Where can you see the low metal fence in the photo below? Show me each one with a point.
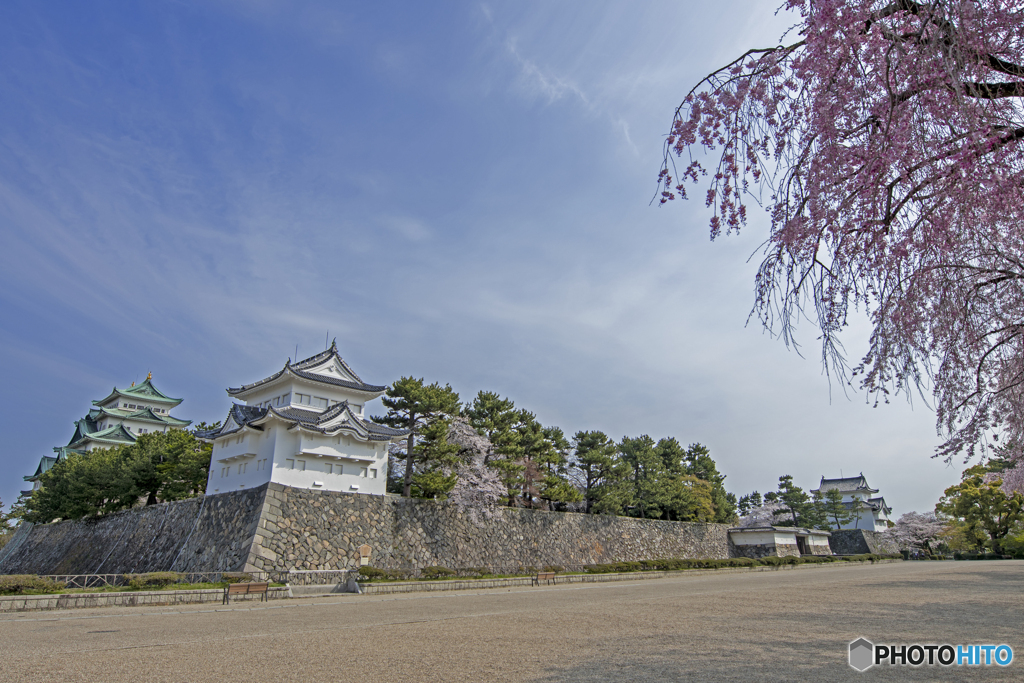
(114, 580)
(299, 577)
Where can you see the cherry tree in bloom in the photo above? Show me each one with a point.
(917, 530)
(766, 515)
(479, 489)
(884, 140)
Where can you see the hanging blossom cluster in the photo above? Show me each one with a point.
(886, 142)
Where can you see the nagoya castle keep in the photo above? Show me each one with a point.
(302, 427)
(117, 420)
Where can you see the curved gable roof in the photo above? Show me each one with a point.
(302, 369)
(339, 418)
(144, 391)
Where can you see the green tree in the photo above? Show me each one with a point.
(437, 476)
(555, 488)
(686, 498)
(833, 510)
(797, 503)
(698, 463)
(748, 502)
(535, 450)
(648, 478)
(498, 420)
(8, 524)
(83, 485)
(595, 460)
(160, 466)
(413, 405)
(979, 501)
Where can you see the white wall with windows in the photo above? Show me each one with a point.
(291, 457)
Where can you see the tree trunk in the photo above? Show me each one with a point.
(407, 491)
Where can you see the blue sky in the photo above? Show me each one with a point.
(457, 191)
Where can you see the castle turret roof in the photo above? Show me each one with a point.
(845, 484)
(144, 391)
(336, 420)
(302, 370)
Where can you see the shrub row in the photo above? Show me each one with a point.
(686, 563)
(983, 556)
(28, 584)
(152, 579)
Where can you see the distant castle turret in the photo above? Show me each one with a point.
(869, 512)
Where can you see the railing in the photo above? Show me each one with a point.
(296, 577)
(101, 580)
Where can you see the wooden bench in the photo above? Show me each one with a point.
(548, 577)
(245, 589)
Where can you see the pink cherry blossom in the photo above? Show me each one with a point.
(884, 140)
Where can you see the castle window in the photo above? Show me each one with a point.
(373, 474)
(362, 471)
(290, 463)
(300, 465)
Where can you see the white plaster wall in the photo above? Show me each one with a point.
(291, 387)
(753, 538)
(817, 540)
(255, 448)
(786, 537)
(310, 456)
(315, 476)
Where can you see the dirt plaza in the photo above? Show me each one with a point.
(763, 626)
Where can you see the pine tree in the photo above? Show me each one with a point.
(413, 405)
(833, 509)
(498, 420)
(796, 501)
(595, 460)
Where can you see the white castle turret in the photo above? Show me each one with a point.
(869, 511)
(302, 427)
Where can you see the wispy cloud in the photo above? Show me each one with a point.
(543, 82)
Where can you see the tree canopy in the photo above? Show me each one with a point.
(158, 467)
(885, 140)
(413, 405)
(979, 501)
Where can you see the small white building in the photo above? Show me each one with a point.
(779, 541)
(869, 510)
(302, 427)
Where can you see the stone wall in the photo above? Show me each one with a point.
(198, 534)
(305, 529)
(787, 550)
(274, 527)
(862, 541)
(755, 551)
(221, 538)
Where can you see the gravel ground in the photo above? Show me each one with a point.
(767, 626)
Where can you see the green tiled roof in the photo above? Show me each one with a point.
(144, 391)
(144, 415)
(114, 436)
